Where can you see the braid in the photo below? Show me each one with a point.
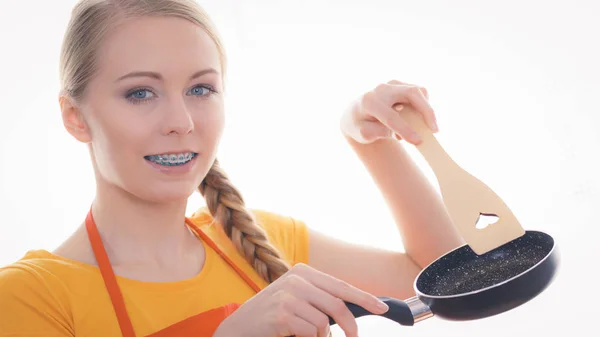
(226, 205)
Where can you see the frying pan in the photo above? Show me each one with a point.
(462, 285)
(500, 267)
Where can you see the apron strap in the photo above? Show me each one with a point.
(109, 277)
(219, 251)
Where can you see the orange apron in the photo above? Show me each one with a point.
(200, 325)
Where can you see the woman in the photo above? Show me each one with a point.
(142, 86)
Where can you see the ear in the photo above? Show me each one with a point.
(73, 119)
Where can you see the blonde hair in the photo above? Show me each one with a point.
(90, 22)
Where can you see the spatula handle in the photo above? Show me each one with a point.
(433, 152)
(466, 198)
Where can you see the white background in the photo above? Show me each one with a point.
(514, 83)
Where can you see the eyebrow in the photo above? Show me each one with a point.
(159, 77)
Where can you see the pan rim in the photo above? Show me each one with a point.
(421, 294)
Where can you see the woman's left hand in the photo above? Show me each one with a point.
(375, 116)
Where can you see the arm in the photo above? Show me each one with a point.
(419, 214)
(417, 208)
(376, 271)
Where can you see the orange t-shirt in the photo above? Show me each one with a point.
(43, 294)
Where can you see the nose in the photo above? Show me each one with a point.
(178, 119)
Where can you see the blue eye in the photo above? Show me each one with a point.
(201, 90)
(140, 94)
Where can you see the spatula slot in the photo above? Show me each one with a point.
(486, 219)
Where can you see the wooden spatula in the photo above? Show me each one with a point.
(467, 199)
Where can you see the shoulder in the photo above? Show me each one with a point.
(39, 271)
(30, 268)
(33, 296)
(288, 234)
(274, 223)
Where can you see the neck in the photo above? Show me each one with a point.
(136, 231)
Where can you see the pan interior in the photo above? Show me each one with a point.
(462, 270)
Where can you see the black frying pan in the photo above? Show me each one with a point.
(462, 285)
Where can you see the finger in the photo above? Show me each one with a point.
(393, 94)
(426, 109)
(423, 89)
(321, 300)
(391, 119)
(296, 326)
(313, 316)
(341, 289)
(414, 96)
(331, 305)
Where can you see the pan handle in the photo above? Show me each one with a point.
(399, 311)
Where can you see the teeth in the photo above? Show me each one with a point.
(172, 159)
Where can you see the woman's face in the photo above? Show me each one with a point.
(154, 110)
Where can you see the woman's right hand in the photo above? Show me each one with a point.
(298, 304)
